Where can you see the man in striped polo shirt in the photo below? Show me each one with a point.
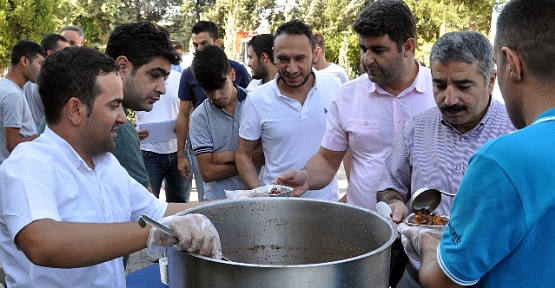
(433, 148)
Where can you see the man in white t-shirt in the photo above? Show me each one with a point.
(321, 63)
(289, 114)
(16, 120)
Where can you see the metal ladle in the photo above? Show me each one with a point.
(144, 219)
(427, 198)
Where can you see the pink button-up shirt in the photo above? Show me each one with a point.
(365, 119)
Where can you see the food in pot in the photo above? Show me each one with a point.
(425, 217)
(275, 191)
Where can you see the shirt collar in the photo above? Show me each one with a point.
(420, 83)
(67, 149)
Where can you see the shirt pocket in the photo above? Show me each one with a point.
(365, 136)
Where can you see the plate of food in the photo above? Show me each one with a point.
(425, 218)
(274, 190)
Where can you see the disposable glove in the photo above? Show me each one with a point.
(410, 237)
(195, 234)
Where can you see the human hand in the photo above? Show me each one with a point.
(399, 211)
(195, 234)
(295, 179)
(411, 237)
(142, 134)
(184, 167)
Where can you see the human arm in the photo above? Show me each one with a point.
(213, 172)
(182, 129)
(347, 163)
(317, 173)
(430, 273)
(58, 244)
(244, 163)
(13, 138)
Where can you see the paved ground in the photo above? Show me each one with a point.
(139, 259)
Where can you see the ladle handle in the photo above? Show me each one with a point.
(146, 219)
(446, 194)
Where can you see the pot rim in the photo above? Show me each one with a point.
(216, 204)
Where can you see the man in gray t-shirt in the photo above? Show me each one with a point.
(215, 123)
(16, 121)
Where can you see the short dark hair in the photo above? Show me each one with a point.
(177, 45)
(319, 40)
(296, 27)
(386, 17)
(210, 67)
(467, 47)
(71, 72)
(140, 43)
(528, 27)
(262, 43)
(206, 26)
(73, 28)
(26, 48)
(50, 41)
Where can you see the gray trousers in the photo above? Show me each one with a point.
(407, 281)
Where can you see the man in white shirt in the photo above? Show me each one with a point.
(69, 209)
(289, 114)
(321, 63)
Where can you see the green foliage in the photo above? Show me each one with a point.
(24, 19)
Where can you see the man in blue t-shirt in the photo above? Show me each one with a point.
(203, 33)
(500, 233)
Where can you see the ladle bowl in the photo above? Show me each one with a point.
(427, 198)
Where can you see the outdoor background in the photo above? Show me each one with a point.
(238, 20)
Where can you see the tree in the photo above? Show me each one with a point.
(24, 19)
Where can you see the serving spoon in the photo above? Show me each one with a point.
(145, 219)
(427, 198)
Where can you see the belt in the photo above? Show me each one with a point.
(413, 273)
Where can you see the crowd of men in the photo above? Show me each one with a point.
(70, 198)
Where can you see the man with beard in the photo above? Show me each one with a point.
(69, 209)
(433, 148)
(261, 60)
(501, 229)
(369, 111)
(289, 114)
(144, 54)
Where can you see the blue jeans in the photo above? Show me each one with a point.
(195, 172)
(164, 166)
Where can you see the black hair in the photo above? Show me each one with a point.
(387, 17)
(50, 41)
(140, 43)
(528, 27)
(26, 48)
(296, 27)
(210, 67)
(71, 72)
(262, 43)
(206, 26)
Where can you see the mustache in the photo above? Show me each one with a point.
(453, 108)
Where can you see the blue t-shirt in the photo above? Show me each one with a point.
(501, 232)
(190, 91)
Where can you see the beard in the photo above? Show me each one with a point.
(260, 73)
(305, 79)
(388, 73)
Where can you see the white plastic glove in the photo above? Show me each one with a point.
(195, 234)
(410, 237)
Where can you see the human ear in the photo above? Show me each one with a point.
(514, 63)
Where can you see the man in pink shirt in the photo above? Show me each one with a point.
(370, 110)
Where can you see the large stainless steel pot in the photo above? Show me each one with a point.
(289, 242)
